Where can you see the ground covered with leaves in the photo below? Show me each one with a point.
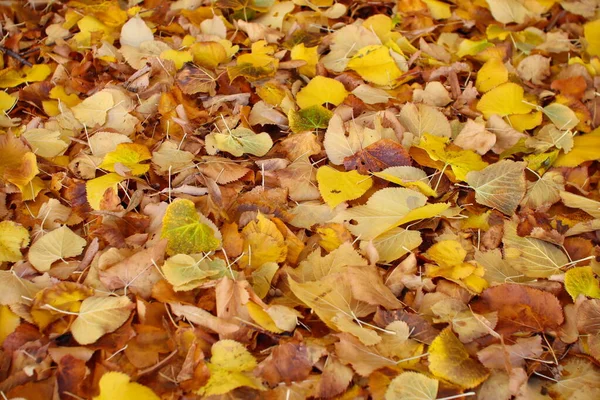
(260, 199)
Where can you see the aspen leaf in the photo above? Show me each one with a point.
(561, 116)
(128, 155)
(449, 360)
(584, 149)
(187, 231)
(14, 289)
(532, 257)
(375, 64)
(230, 367)
(98, 316)
(134, 32)
(498, 270)
(491, 74)
(339, 146)
(321, 90)
(581, 280)
(501, 185)
(239, 141)
(13, 237)
(263, 243)
(590, 206)
(92, 111)
(204, 318)
(409, 177)
(8, 322)
(337, 187)
(591, 32)
(394, 243)
(412, 386)
(168, 158)
(506, 99)
(549, 136)
(316, 266)
(116, 385)
(59, 244)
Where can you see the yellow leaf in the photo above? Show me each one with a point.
(383, 211)
(208, 54)
(425, 212)
(7, 101)
(501, 185)
(8, 322)
(263, 243)
(230, 367)
(128, 155)
(189, 272)
(239, 141)
(375, 64)
(449, 360)
(409, 177)
(261, 278)
(447, 253)
(337, 187)
(58, 93)
(99, 316)
(491, 74)
(472, 48)
(45, 143)
(523, 122)
(179, 57)
(308, 54)
(581, 280)
(590, 206)
(506, 99)
(35, 73)
(12, 238)
(88, 25)
(460, 161)
(591, 31)
(507, 11)
(412, 386)
(261, 317)
(95, 188)
(394, 243)
(187, 231)
(316, 267)
(59, 244)
(585, 148)
(561, 116)
(321, 90)
(117, 386)
(54, 302)
(92, 111)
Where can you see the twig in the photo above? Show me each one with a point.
(15, 55)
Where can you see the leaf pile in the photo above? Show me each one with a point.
(265, 199)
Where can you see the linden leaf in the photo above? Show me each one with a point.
(230, 367)
(117, 385)
(501, 185)
(59, 244)
(321, 90)
(309, 118)
(45, 143)
(316, 266)
(129, 156)
(506, 99)
(449, 360)
(187, 231)
(99, 316)
(581, 280)
(239, 141)
(96, 188)
(491, 74)
(186, 272)
(590, 206)
(421, 119)
(92, 111)
(375, 64)
(337, 187)
(13, 237)
(263, 243)
(532, 257)
(412, 386)
(394, 243)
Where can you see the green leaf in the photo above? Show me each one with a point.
(309, 119)
(186, 231)
(238, 142)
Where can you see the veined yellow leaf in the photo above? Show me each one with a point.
(581, 280)
(59, 244)
(116, 385)
(375, 64)
(12, 238)
(321, 90)
(506, 99)
(337, 187)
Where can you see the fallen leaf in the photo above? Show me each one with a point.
(57, 245)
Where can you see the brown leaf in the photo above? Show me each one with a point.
(378, 156)
(521, 308)
(70, 376)
(288, 362)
